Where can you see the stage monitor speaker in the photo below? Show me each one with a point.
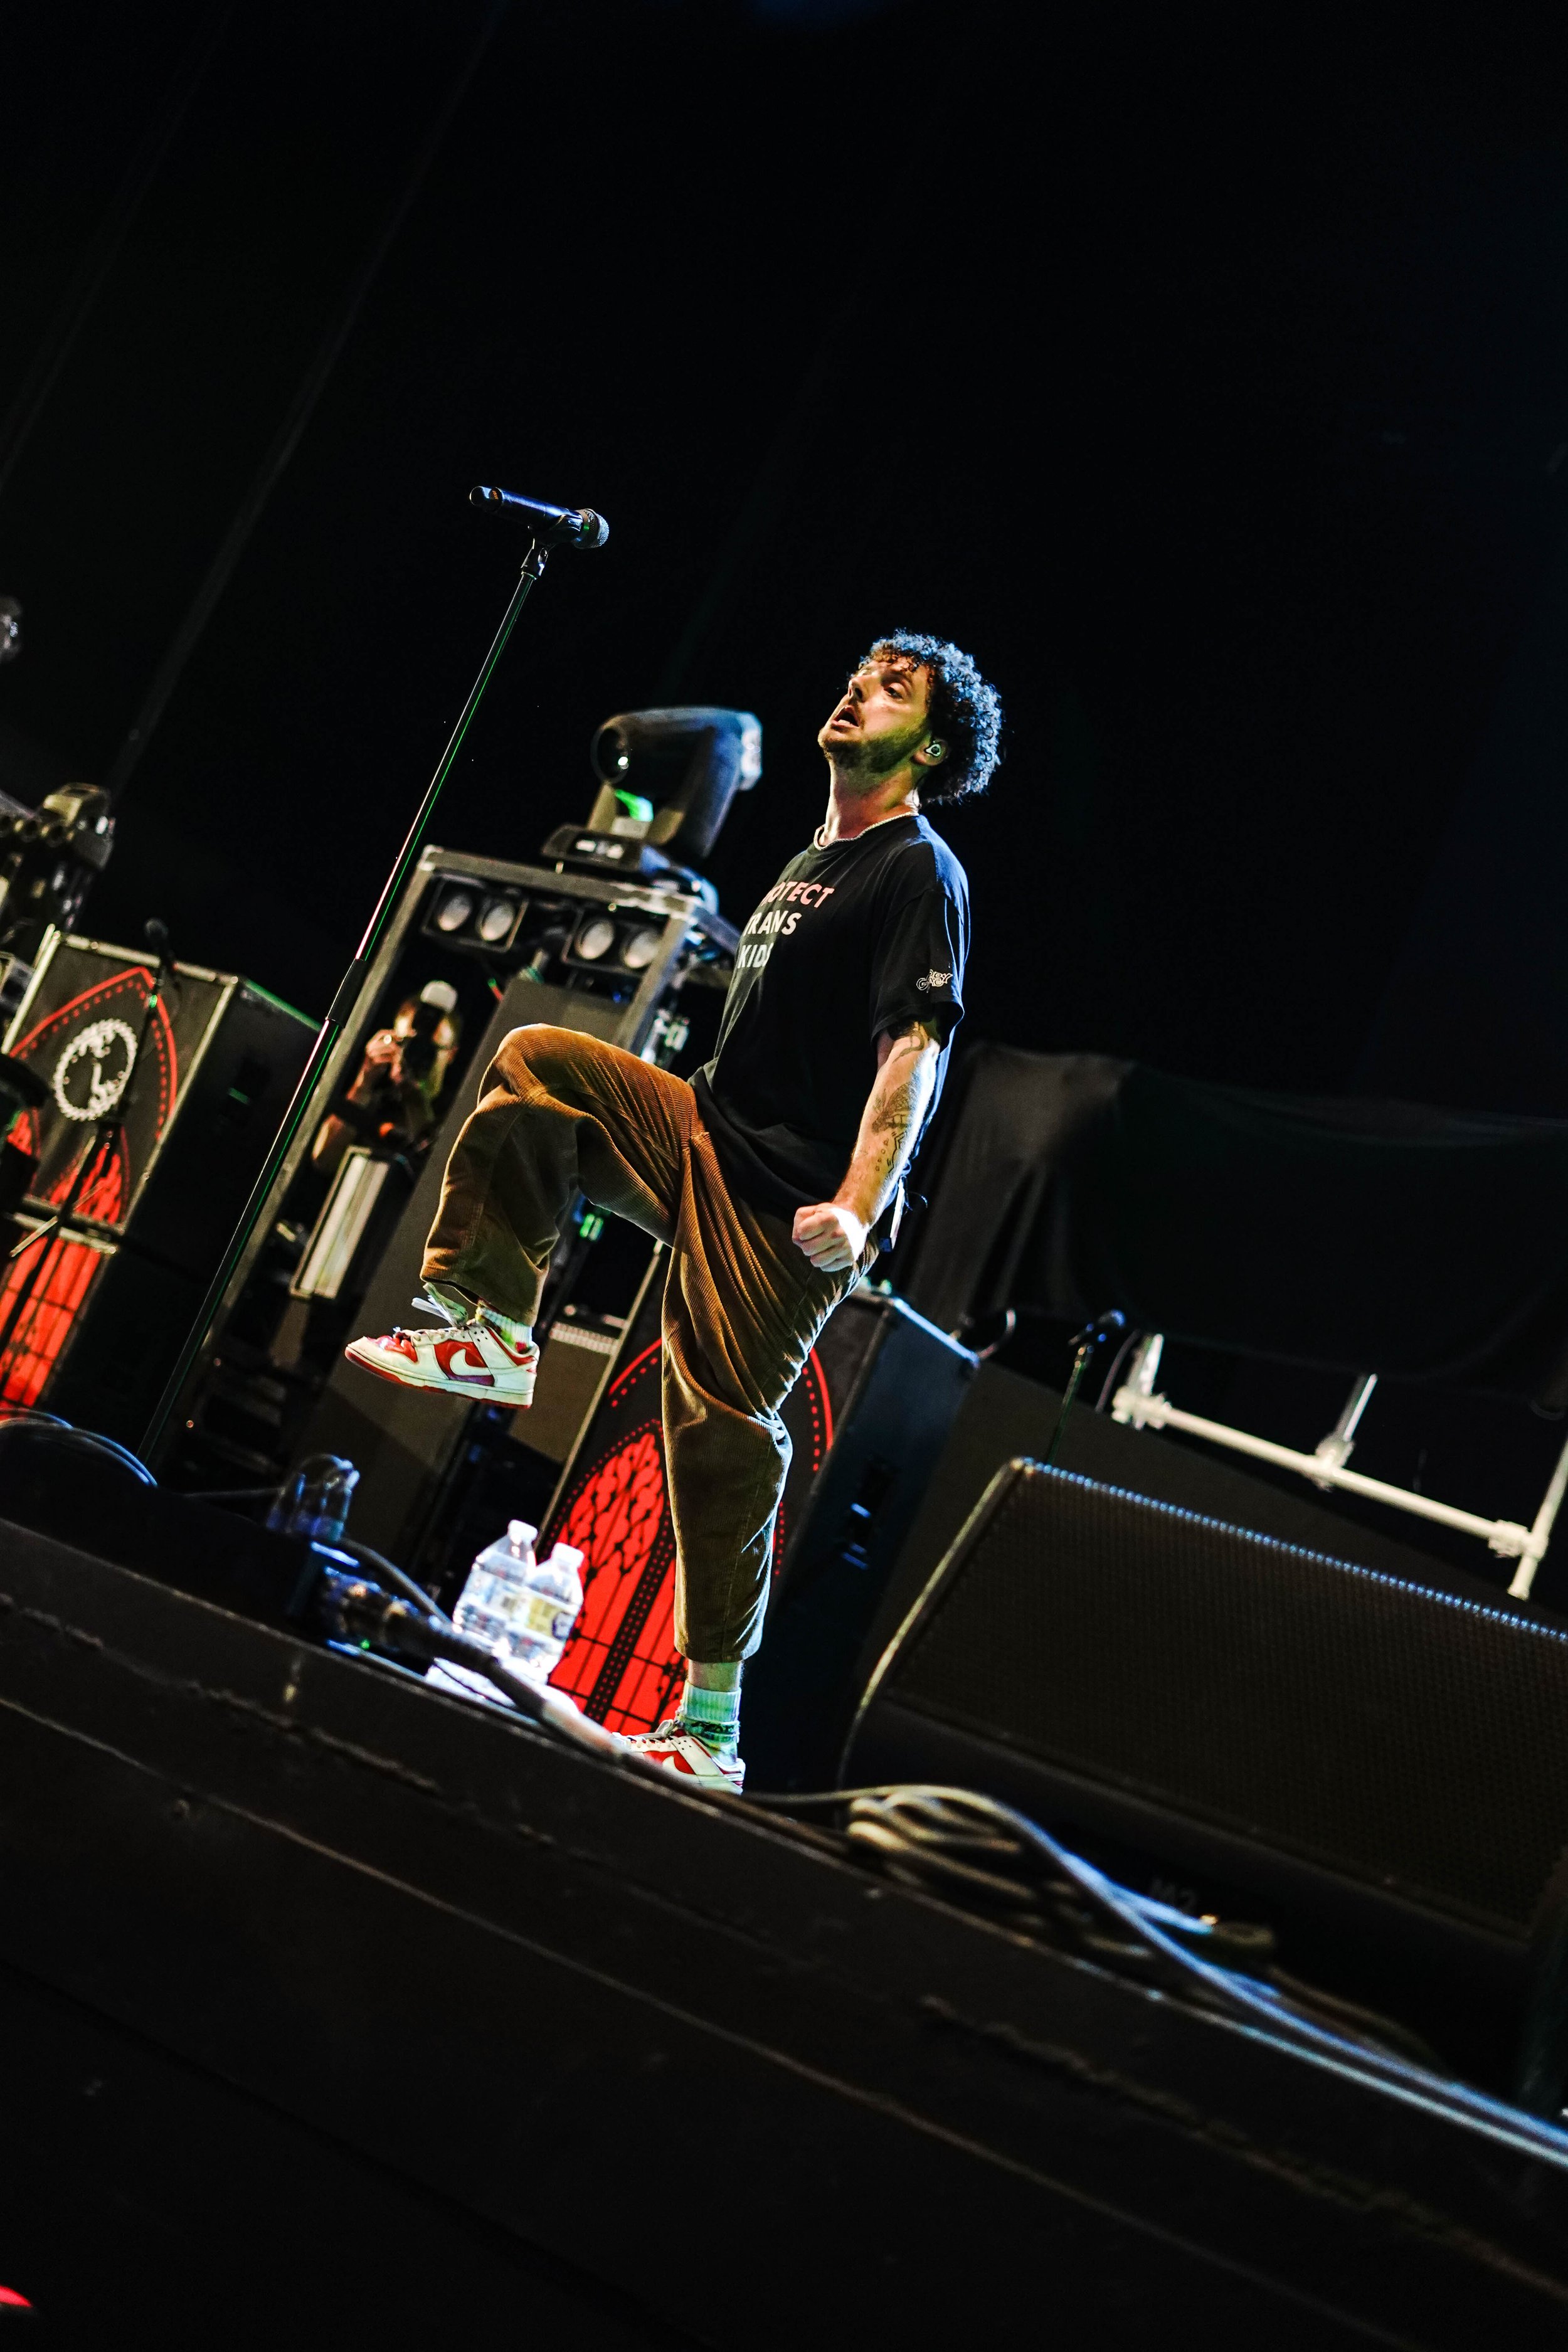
(867, 1420)
(1377, 1770)
(217, 1070)
(92, 1330)
(1005, 1417)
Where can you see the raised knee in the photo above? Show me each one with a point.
(538, 1045)
(542, 1059)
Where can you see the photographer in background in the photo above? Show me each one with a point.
(392, 1102)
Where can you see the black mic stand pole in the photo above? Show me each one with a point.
(1108, 1326)
(340, 1008)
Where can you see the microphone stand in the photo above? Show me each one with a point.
(1108, 1326)
(342, 1005)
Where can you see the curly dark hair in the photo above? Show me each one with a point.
(965, 714)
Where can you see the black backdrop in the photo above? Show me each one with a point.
(1206, 372)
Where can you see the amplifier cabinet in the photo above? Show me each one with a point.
(1378, 1771)
(865, 1421)
(91, 1328)
(203, 1102)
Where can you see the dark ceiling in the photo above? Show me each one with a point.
(1204, 372)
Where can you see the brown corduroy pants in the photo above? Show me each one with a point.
(562, 1113)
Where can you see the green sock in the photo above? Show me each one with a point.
(713, 1716)
(462, 1303)
(514, 1333)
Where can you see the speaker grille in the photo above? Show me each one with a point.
(1404, 1737)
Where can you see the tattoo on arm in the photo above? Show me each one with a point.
(891, 1120)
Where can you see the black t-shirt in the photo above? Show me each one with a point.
(851, 941)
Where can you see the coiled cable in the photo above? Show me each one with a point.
(975, 1851)
(67, 1433)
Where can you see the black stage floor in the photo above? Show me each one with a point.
(327, 2001)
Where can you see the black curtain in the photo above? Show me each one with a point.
(1419, 1244)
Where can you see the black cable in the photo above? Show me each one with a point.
(362, 1614)
(1009, 1325)
(1107, 1387)
(1338, 2010)
(388, 1568)
(70, 1434)
(405, 1584)
(953, 1858)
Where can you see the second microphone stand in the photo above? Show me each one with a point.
(342, 1005)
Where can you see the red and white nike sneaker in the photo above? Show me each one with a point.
(462, 1360)
(689, 1759)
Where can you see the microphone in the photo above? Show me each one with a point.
(579, 525)
(155, 931)
(1108, 1326)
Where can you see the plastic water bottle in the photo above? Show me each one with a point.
(554, 1605)
(521, 1607)
(494, 1580)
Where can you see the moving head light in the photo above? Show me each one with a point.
(666, 781)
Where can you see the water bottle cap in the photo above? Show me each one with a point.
(521, 1532)
(566, 1556)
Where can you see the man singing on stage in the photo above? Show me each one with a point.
(774, 1176)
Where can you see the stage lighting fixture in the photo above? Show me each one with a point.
(596, 940)
(498, 920)
(454, 910)
(641, 948)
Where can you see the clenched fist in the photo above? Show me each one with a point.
(832, 1237)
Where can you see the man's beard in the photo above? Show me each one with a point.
(864, 760)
